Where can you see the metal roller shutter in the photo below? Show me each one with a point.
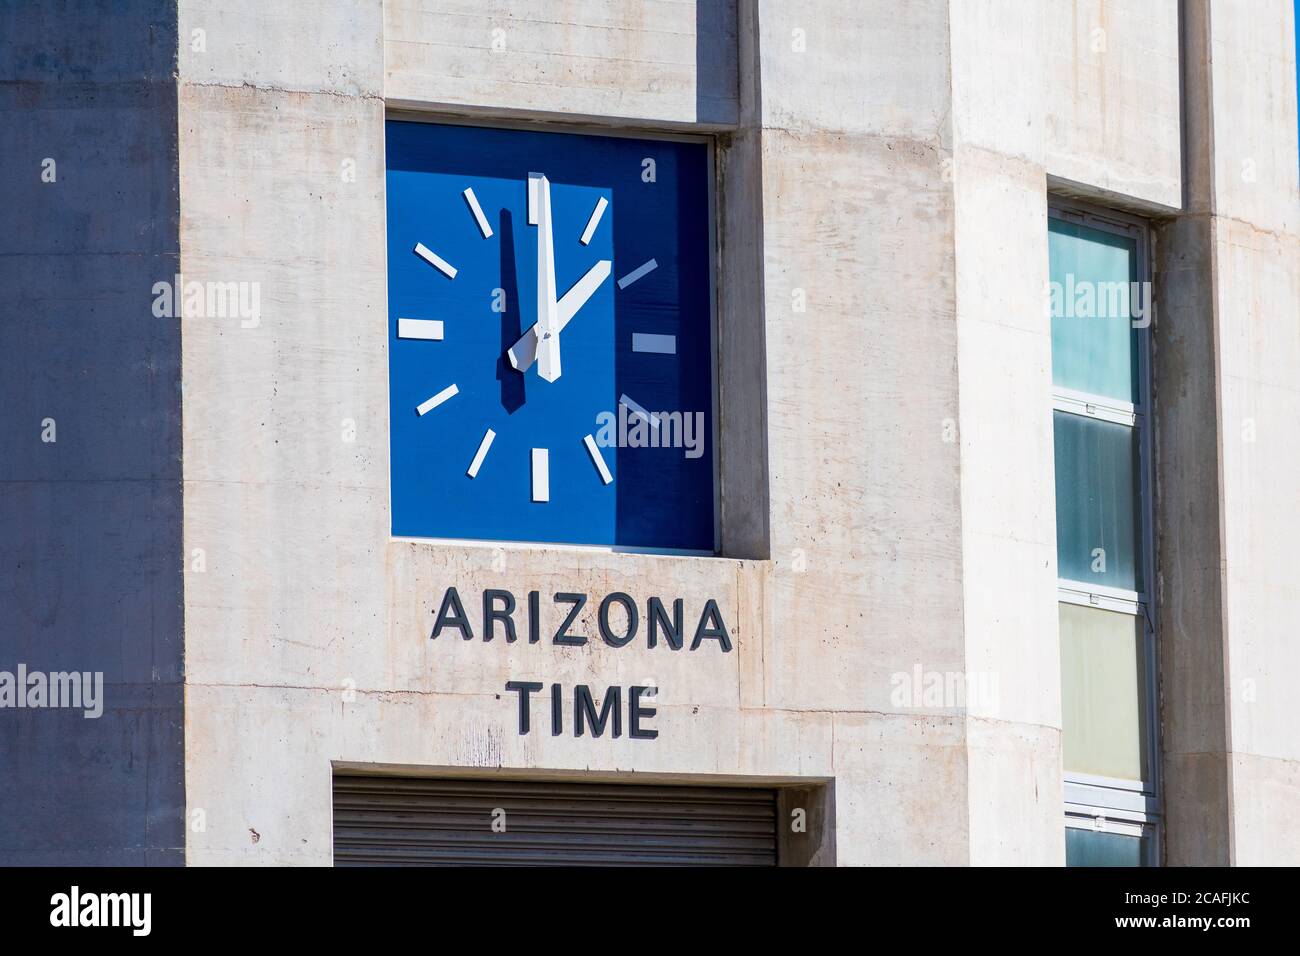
(422, 822)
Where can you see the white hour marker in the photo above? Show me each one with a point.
(428, 329)
(479, 455)
(636, 409)
(594, 451)
(594, 221)
(541, 474)
(477, 210)
(640, 272)
(435, 260)
(658, 344)
(429, 404)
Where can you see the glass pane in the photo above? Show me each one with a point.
(1097, 498)
(1098, 848)
(1094, 344)
(1103, 692)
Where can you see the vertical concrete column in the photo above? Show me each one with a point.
(1228, 345)
(1004, 372)
(858, 272)
(285, 409)
(742, 368)
(90, 427)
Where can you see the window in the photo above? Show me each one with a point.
(1102, 842)
(1100, 314)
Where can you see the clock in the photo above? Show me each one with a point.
(551, 337)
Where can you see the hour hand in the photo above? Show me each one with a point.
(533, 346)
(537, 346)
(524, 352)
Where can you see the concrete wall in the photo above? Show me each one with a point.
(1005, 428)
(865, 526)
(887, 476)
(303, 591)
(1112, 83)
(90, 494)
(1255, 230)
(653, 60)
(886, 457)
(1228, 350)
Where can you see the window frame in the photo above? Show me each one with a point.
(1088, 797)
(1080, 817)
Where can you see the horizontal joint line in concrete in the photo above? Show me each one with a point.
(258, 88)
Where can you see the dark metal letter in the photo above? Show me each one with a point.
(603, 619)
(524, 688)
(584, 711)
(491, 615)
(562, 636)
(716, 629)
(656, 616)
(635, 712)
(457, 619)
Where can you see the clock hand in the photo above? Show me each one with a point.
(524, 352)
(582, 290)
(548, 349)
(548, 355)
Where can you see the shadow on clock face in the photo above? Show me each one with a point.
(512, 383)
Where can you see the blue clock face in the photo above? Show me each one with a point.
(550, 337)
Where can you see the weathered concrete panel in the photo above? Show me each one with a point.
(1266, 793)
(628, 59)
(1227, 348)
(90, 555)
(1012, 662)
(1008, 487)
(856, 67)
(1112, 78)
(1000, 53)
(1252, 45)
(1015, 794)
(900, 786)
(1190, 587)
(307, 47)
(865, 511)
(1259, 341)
(1004, 431)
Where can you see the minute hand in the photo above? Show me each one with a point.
(524, 352)
(548, 358)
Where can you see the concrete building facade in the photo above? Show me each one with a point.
(212, 528)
